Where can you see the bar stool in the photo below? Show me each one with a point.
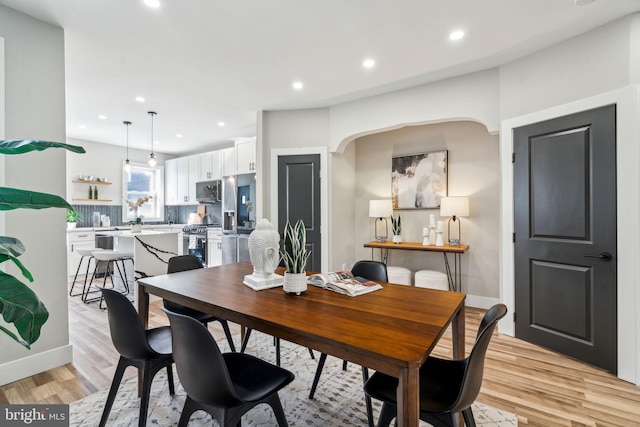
(84, 253)
(116, 259)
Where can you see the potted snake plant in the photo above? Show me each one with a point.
(19, 304)
(295, 256)
(396, 228)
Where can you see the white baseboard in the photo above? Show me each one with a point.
(480, 302)
(31, 365)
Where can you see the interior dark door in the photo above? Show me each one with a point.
(299, 198)
(565, 235)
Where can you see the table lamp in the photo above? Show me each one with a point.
(381, 210)
(454, 207)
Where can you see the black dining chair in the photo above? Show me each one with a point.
(447, 387)
(148, 350)
(370, 270)
(185, 263)
(225, 385)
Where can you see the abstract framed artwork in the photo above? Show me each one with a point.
(419, 181)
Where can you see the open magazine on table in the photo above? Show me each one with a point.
(343, 282)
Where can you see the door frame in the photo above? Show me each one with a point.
(628, 233)
(324, 192)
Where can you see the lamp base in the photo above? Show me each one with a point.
(381, 239)
(454, 242)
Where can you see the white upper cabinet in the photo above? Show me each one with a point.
(171, 182)
(210, 166)
(228, 161)
(181, 190)
(245, 155)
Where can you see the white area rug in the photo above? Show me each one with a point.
(339, 399)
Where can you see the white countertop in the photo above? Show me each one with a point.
(152, 227)
(129, 233)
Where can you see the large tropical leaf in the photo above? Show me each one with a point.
(21, 146)
(20, 305)
(13, 198)
(10, 249)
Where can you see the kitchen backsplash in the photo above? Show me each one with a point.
(175, 214)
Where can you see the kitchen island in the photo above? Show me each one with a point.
(151, 249)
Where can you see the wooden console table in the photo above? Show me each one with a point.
(454, 277)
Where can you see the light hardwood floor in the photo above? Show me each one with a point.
(543, 388)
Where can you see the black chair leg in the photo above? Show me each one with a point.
(276, 405)
(147, 377)
(344, 365)
(115, 384)
(245, 341)
(311, 353)
(316, 378)
(277, 344)
(172, 388)
(190, 406)
(367, 399)
(227, 333)
(387, 414)
(467, 414)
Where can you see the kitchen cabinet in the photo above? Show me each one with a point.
(187, 176)
(77, 240)
(245, 155)
(214, 251)
(171, 182)
(210, 166)
(228, 161)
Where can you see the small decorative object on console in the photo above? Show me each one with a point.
(396, 227)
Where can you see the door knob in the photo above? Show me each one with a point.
(605, 256)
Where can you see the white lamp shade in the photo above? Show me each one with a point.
(454, 206)
(380, 208)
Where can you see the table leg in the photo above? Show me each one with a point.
(143, 306)
(408, 397)
(450, 277)
(458, 331)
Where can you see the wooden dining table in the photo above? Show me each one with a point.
(391, 330)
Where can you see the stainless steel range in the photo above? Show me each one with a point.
(196, 238)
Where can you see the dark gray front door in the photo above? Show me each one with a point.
(565, 235)
(299, 198)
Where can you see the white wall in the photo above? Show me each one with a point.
(473, 171)
(34, 109)
(594, 63)
(103, 161)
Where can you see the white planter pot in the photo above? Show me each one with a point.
(397, 238)
(136, 228)
(71, 225)
(294, 283)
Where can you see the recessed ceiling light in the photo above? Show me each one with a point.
(368, 63)
(139, 99)
(152, 3)
(178, 135)
(456, 35)
(297, 85)
(102, 117)
(221, 124)
(82, 127)
(156, 142)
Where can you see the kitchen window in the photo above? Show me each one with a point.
(141, 181)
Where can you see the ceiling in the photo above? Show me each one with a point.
(201, 62)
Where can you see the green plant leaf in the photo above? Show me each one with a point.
(21, 146)
(13, 198)
(10, 249)
(20, 305)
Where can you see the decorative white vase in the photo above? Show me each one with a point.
(294, 283)
(397, 238)
(71, 225)
(136, 228)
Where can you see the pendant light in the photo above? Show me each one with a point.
(127, 165)
(152, 157)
